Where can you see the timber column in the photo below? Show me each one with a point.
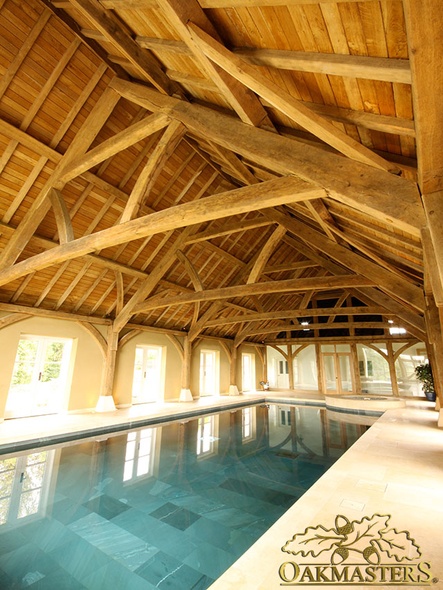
(233, 389)
(185, 393)
(106, 401)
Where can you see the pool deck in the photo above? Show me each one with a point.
(391, 479)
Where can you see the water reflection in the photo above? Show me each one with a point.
(182, 500)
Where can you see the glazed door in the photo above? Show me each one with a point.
(147, 383)
(337, 372)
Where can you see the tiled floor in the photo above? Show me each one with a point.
(394, 470)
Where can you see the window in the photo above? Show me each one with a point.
(248, 424)
(283, 367)
(207, 433)
(40, 375)
(24, 487)
(139, 457)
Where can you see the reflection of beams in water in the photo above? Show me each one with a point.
(289, 438)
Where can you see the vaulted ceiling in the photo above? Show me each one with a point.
(229, 168)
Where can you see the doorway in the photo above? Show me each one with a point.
(40, 377)
(338, 376)
(209, 373)
(248, 372)
(148, 381)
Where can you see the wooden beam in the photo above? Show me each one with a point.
(251, 198)
(383, 123)
(152, 169)
(119, 142)
(284, 102)
(434, 213)
(355, 66)
(229, 228)
(263, 3)
(62, 219)
(425, 39)
(144, 63)
(298, 313)
(243, 101)
(385, 280)
(319, 326)
(265, 253)
(191, 270)
(47, 313)
(359, 186)
(286, 286)
(41, 205)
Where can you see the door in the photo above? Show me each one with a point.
(39, 380)
(147, 385)
(282, 374)
(208, 373)
(337, 372)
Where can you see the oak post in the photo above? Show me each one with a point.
(106, 401)
(185, 393)
(233, 389)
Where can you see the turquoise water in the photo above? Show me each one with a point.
(169, 506)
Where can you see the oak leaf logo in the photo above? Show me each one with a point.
(367, 540)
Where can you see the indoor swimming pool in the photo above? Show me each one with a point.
(167, 506)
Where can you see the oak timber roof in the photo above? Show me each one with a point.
(228, 168)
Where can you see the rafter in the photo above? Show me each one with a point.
(265, 253)
(243, 101)
(119, 142)
(357, 185)
(284, 102)
(260, 196)
(169, 140)
(285, 286)
(392, 284)
(41, 204)
(144, 63)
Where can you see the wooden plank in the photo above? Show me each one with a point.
(425, 39)
(354, 66)
(284, 102)
(263, 195)
(261, 3)
(377, 122)
(361, 187)
(167, 143)
(41, 204)
(146, 65)
(386, 280)
(115, 144)
(286, 286)
(14, 66)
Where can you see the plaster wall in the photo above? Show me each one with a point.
(124, 371)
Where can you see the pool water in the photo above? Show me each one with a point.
(169, 506)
